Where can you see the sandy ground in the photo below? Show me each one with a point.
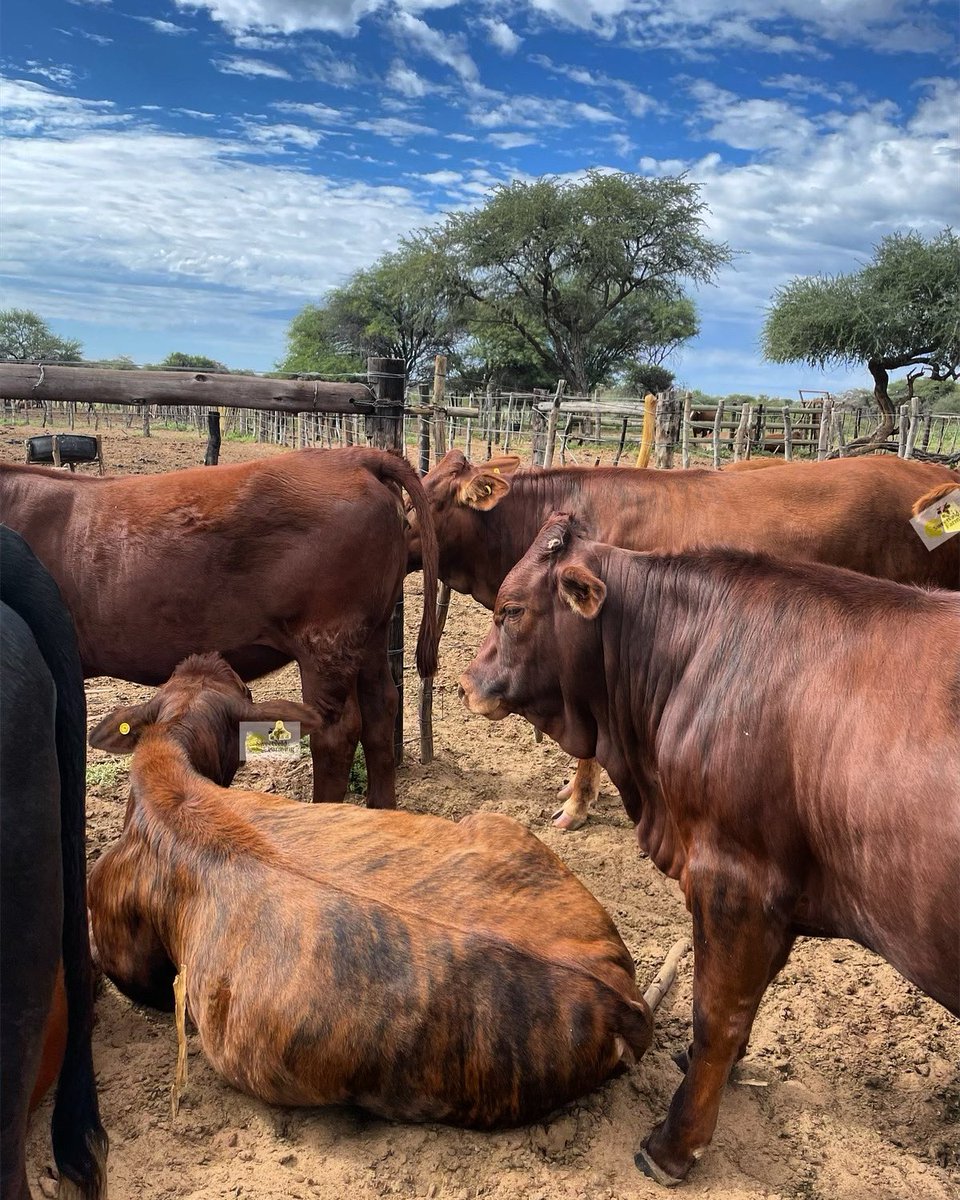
(850, 1091)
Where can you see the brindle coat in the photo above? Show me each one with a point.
(423, 969)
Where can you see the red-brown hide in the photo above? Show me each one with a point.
(784, 737)
(423, 969)
(851, 513)
(300, 556)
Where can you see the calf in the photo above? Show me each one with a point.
(43, 911)
(300, 556)
(775, 755)
(853, 512)
(423, 969)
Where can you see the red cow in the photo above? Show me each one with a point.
(423, 969)
(851, 512)
(300, 556)
(784, 737)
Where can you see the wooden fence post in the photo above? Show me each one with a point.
(663, 447)
(552, 424)
(649, 426)
(787, 435)
(385, 429)
(212, 456)
(717, 422)
(914, 427)
(439, 431)
(685, 431)
(823, 437)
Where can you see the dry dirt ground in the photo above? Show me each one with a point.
(850, 1091)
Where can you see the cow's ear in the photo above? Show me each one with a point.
(119, 732)
(483, 491)
(288, 711)
(582, 590)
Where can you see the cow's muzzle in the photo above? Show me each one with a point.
(480, 703)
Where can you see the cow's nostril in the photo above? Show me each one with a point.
(461, 694)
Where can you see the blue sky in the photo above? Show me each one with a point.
(186, 176)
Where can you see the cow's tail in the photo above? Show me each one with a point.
(79, 1139)
(938, 493)
(399, 471)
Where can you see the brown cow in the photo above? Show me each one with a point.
(775, 754)
(423, 969)
(300, 556)
(852, 513)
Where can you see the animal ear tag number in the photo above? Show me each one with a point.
(940, 521)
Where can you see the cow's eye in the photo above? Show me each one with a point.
(510, 612)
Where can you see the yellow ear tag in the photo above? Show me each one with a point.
(496, 470)
(124, 727)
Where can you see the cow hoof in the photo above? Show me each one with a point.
(682, 1059)
(563, 820)
(645, 1163)
(566, 791)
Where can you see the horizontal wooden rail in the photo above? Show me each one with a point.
(97, 385)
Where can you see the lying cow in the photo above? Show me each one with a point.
(299, 556)
(772, 750)
(423, 969)
(43, 912)
(852, 513)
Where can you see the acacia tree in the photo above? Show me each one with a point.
(394, 309)
(587, 273)
(26, 337)
(901, 310)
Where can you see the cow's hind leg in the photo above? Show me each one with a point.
(578, 795)
(739, 944)
(378, 710)
(334, 746)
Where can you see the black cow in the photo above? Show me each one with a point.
(43, 875)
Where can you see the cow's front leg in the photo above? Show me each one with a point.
(578, 795)
(333, 747)
(378, 709)
(739, 945)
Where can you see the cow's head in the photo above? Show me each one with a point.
(200, 707)
(458, 492)
(543, 648)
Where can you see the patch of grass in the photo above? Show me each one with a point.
(357, 784)
(105, 772)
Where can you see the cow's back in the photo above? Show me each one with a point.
(435, 971)
(157, 567)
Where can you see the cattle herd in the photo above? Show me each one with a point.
(766, 663)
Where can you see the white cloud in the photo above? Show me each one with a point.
(31, 109)
(394, 128)
(810, 206)
(285, 16)
(316, 112)
(512, 141)
(447, 49)
(749, 124)
(250, 67)
(638, 103)
(60, 74)
(403, 79)
(442, 178)
(276, 137)
(167, 27)
(502, 36)
(178, 232)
